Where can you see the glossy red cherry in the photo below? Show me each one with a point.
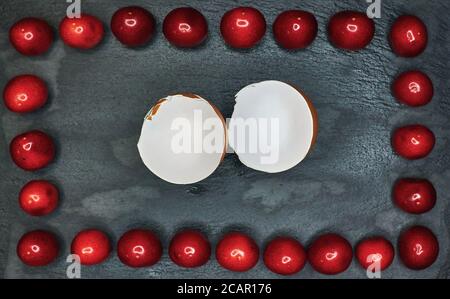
(418, 247)
(237, 252)
(185, 27)
(32, 150)
(375, 250)
(31, 36)
(408, 36)
(413, 141)
(285, 256)
(189, 249)
(38, 197)
(139, 248)
(330, 254)
(92, 246)
(351, 30)
(414, 196)
(413, 88)
(295, 29)
(133, 26)
(243, 27)
(25, 93)
(38, 248)
(85, 32)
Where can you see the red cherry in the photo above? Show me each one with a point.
(189, 248)
(133, 26)
(413, 141)
(38, 248)
(139, 248)
(237, 252)
(413, 88)
(185, 27)
(408, 36)
(85, 32)
(330, 254)
(414, 196)
(38, 197)
(31, 36)
(418, 247)
(285, 256)
(351, 30)
(32, 150)
(295, 29)
(375, 249)
(243, 27)
(92, 246)
(25, 93)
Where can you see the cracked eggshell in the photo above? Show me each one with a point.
(296, 132)
(162, 136)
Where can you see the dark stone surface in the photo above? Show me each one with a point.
(99, 99)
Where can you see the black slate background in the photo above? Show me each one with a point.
(99, 99)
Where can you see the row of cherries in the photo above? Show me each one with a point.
(328, 254)
(414, 195)
(241, 28)
(412, 142)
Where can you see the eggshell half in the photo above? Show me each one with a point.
(286, 122)
(178, 145)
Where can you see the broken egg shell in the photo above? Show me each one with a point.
(298, 123)
(155, 143)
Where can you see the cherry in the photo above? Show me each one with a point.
(85, 32)
(139, 248)
(351, 30)
(330, 254)
(295, 29)
(92, 246)
(408, 36)
(413, 88)
(31, 36)
(189, 249)
(375, 250)
(237, 252)
(418, 247)
(133, 26)
(185, 27)
(25, 93)
(413, 141)
(414, 196)
(243, 27)
(38, 248)
(38, 197)
(285, 256)
(32, 150)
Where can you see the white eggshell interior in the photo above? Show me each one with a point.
(156, 141)
(296, 125)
